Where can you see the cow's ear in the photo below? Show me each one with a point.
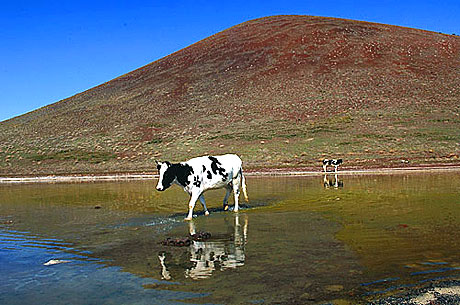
(158, 164)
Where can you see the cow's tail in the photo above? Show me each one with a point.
(243, 186)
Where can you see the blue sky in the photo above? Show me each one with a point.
(51, 50)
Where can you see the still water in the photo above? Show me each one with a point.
(299, 240)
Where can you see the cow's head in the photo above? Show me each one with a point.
(167, 175)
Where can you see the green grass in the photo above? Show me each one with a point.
(76, 155)
(155, 141)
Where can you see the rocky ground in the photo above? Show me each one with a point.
(438, 293)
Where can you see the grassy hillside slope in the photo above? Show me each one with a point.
(281, 91)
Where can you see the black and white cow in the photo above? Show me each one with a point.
(200, 174)
(334, 162)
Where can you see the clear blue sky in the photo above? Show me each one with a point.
(50, 50)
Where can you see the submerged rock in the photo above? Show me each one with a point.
(199, 236)
(185, 241)
(55, 262)
(334, 288)
(176, 242)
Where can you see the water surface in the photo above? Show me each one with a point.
(299, 240)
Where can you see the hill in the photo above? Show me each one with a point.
(281, 91)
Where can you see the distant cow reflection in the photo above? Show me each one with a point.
(336, 183)
(214, 254)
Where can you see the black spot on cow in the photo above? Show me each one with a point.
(332, 161)
(179, 171)
(196, 181)
(215, 166)
(207, 172)
(337, 162)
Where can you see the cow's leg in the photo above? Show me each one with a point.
(325, 168)
(206, 212)
(191, 204)
(336, 182)
(236, 191)
(228, 189)
(325, 181)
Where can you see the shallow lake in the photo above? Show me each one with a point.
(299, 240)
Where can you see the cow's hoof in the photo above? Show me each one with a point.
(226, 208)
(206, 213)
(188, 218)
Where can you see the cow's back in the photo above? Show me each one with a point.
(231, 162)
(215, 171)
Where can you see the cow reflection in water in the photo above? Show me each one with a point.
(336, 183)
(165, 275)
(209, 255)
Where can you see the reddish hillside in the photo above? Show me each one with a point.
(281, 91)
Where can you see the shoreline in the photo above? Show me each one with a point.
(280, 172)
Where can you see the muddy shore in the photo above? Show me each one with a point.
(73, 178)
